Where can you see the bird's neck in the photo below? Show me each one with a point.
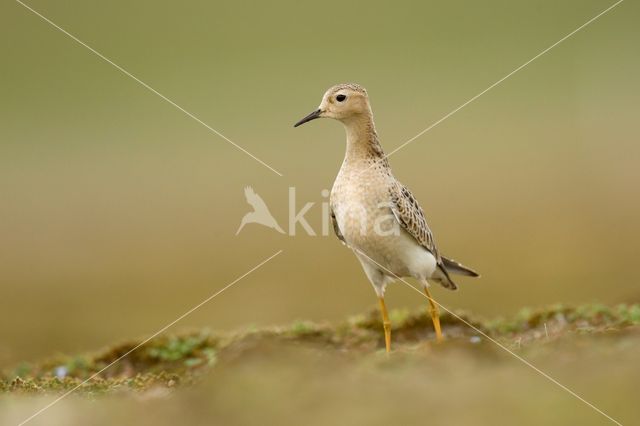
(362, 140)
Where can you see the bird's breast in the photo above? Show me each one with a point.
(361, 205)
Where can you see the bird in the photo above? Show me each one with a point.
(260, 213)
(377, 216)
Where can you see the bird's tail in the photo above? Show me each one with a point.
(441, 276)
(458, 268)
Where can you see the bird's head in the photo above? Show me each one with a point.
(343, 102)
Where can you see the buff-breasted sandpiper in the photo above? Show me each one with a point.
(374, 214)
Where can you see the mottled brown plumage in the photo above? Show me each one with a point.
(372, 212)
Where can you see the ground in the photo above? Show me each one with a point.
(343, 370)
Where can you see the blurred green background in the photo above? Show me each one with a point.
(118, 212)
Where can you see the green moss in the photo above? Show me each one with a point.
(303, 327)
(170, 360)
(629, 314)
(400, 316)
(176, 348)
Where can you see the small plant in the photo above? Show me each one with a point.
(176, 348)
(303, 327)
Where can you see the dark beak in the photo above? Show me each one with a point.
(315, 114)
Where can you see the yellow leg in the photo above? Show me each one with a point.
(386, 324)
(435, 314)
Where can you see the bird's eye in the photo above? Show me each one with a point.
(341, 98)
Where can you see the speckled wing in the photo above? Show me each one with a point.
(411, 217)
(336, 228)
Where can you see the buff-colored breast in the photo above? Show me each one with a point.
(361, 202)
